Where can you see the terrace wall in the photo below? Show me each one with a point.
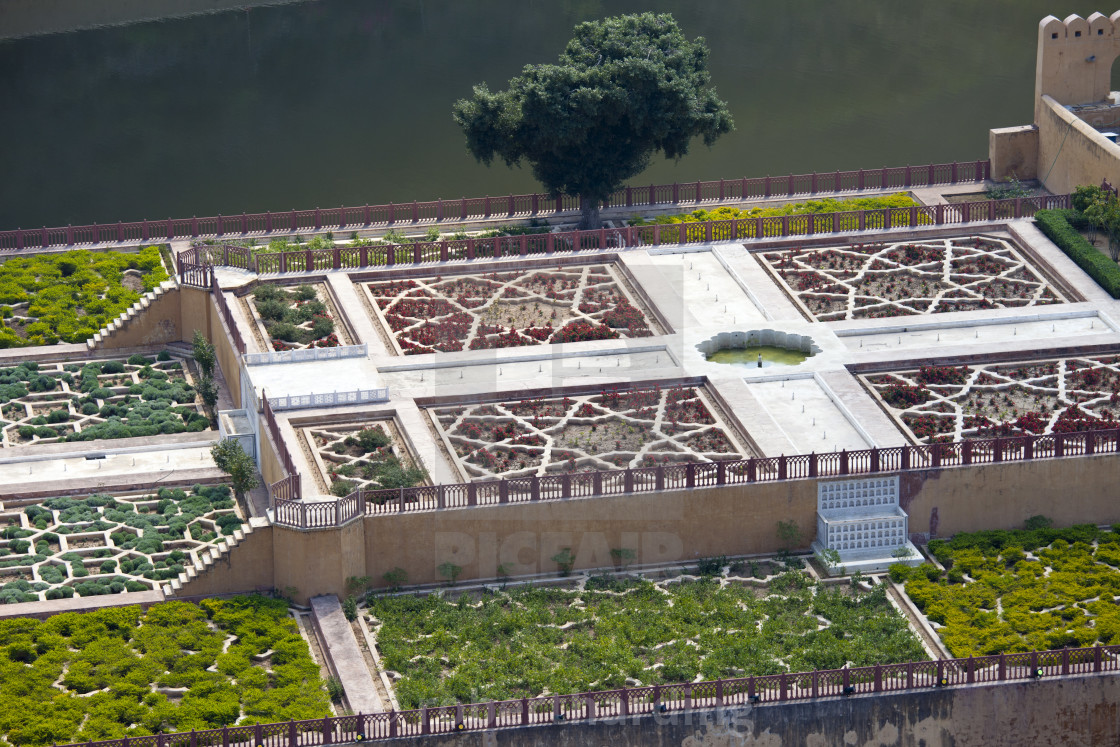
(1068, 711)
(160, 323)
(247, 567)
(1071, 152)
(666, 527)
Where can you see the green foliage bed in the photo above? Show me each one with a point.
(1021, 590)
(528, 641)
(106, 399)
(1061, 227)
(133, 559)
(827, 205)
(67, 297)
(108, 665)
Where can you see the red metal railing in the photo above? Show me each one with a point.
(431, 252)
(716, 474)
(510, 206)
(636, 701)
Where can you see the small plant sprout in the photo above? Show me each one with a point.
(450, 571)
(564, 561)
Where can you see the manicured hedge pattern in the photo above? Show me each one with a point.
(71, 295)
(108, 665)
(515, 644)
(1021, 590)
(1060, 226)
(131, 553)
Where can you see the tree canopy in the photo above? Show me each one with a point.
(624, 89)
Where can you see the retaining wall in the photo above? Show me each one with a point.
(1069, 711)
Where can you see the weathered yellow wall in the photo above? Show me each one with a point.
(667, 527)
(1013, 152)
(245, 568)
(158, 324)
(311, 563)
(661, 527)
(1070, 152)
(196, 310)
(1002, 496)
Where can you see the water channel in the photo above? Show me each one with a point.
(331, 102)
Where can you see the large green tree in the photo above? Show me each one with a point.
(624, 89)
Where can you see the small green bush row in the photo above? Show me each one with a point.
(1061, 227)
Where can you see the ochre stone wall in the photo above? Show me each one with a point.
(158, 324)
(1013, 152)
(676, 526)
(1071, 153)
(245, 568)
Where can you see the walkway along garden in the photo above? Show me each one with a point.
(330, 513)
(200, 255)
(615, 704)
(511, 206)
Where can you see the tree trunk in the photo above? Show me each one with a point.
(589, 214)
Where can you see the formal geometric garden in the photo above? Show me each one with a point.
(101, 544)
(1006, 399)
(508, 309)
(608, 634)
(296, 318)
(371, 456)
(635, 428)
(140, 396)
(68, 297)
(902, 279)
(122, 672)
(1008, 591)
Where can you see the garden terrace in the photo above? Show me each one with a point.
(508, 309)
(1010, 591)
(607, 634)
(983, 400)
(104, 544)
(911, 278)
(582, 432)
(368, 456)
(294, 318)
(135, 397)
(52, 298)
(122, 672)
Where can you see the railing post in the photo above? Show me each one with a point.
(1059, 445)
(1065, 661)
(1002, 667)
(425, 724)
(1097, 658)
(524, 711)
(392, 723)
(970, 670)
(843, 461)
(503, 491)
(874, 459)
(812, 464)
(879, 667)
(782, 467)
(690, 475)
(953, 172)
(767, 185)
(719, 693)
(472, 494)
(905, 457)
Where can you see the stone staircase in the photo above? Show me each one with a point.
(129, 314)
(206, 559)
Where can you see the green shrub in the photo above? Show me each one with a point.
(1056, 224)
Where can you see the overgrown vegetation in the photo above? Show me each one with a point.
(530, 641)
(1007, 591)
(48, 298)
(119, 671)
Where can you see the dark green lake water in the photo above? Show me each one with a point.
(348, 101)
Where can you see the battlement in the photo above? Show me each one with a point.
(1075, 56)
